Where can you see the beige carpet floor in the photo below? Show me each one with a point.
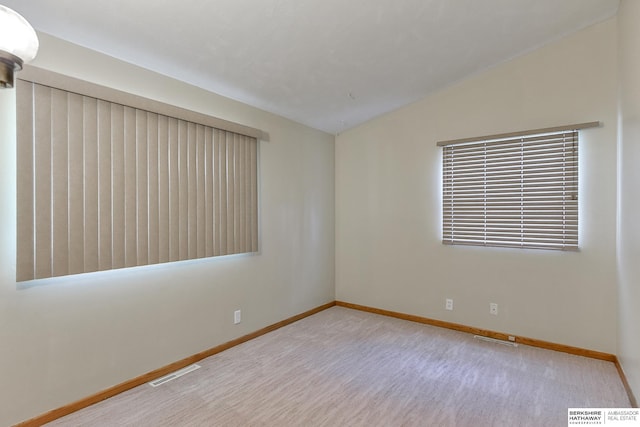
(343, 367)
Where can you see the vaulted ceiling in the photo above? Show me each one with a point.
(329, 64)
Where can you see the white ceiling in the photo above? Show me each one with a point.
(330, 64)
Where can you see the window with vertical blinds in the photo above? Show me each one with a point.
(104, 185)
(512, 190)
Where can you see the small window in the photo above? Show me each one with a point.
(512, 190)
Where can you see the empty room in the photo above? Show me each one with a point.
(319, 213)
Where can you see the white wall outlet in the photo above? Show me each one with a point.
(449, 304)
(493, 308)
(237, 317)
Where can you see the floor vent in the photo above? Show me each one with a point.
(173, 375)
(509, 343)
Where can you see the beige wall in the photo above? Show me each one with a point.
(629, 195)
(388, 202)
(67, 338)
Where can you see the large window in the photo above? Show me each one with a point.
(108, 180)
(512, 190)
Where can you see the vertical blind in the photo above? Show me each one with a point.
(103, 185)
(518, 191)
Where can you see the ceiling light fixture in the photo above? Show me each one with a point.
(18, 44)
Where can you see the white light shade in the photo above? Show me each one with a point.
(17, 37)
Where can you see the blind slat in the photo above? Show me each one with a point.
(163, 190)
(59, 179)
(42, 186)
(153, 204)
(118, 238)
(25, 267)
(105, 223)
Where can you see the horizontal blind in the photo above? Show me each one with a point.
(104, 186)
(514, 192)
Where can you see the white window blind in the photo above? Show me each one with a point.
(513, 190)
(102, 185)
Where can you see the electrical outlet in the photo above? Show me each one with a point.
(493, 308)
(237, 317)
(449, 304)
